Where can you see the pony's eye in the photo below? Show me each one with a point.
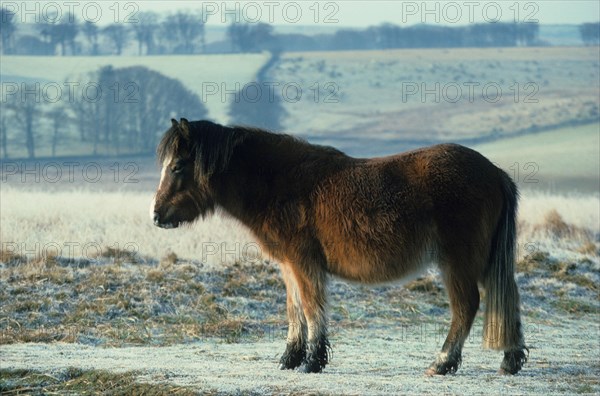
(177, 168)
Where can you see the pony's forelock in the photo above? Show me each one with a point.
(210, 145)
(170, 144)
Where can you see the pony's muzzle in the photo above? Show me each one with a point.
(157, 222)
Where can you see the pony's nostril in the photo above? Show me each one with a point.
(156, 218)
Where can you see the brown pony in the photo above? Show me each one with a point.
(319, 212)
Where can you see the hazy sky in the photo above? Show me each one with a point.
(358, 13)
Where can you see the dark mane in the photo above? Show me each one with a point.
(212, 145)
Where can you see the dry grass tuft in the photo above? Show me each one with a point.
(156, 275)
(573, 306)
(590, 248)
(85, 382)
(119, 255)
(9, 257)
(425, 285)
(169, 260)
(39, 270)
(532, 262)
(566, 272)
(555, 226)
(541, 264)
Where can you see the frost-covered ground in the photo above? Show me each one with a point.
(196, 308)
(563, 360)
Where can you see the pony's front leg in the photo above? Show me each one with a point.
(313, 284)
(295, 350)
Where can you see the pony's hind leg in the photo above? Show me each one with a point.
(464, 302)
(295, 350)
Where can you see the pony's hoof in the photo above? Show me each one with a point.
(513, 361)
(310, 367)
(288, 365)
(430, 372)
(442, 369)
(291, 358)
(503, 371)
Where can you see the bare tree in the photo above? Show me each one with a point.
(90, 30)
(144, 31)
(66, 31)
(245, 37)
(118, 35)
(26, 110)
(48, 35)
(156, 98)
(184, 30)
(8, 28)
(59, 119)
(3, 134)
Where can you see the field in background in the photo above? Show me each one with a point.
(372, 103)
(393, 100)
(565, 160)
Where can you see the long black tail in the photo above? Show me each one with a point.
(502, 329)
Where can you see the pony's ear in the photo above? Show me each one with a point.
(174, 122)
(185, 126)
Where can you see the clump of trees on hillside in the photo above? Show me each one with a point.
(118, 110)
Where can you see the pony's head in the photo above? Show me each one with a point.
(190, 154)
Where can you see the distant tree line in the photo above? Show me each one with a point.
(120, 110)
(258, 37)
(590, 33)
(177, 33)
(185, 33)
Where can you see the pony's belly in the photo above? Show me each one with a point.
(375, 269)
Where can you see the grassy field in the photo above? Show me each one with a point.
(561, 160)
(382, 95)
